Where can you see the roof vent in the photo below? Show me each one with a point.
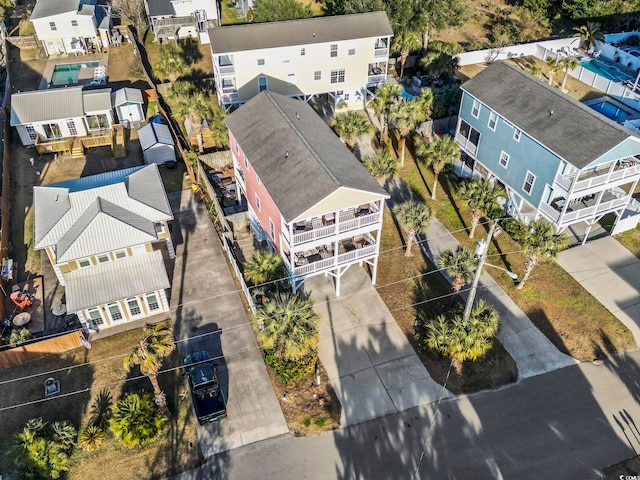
(297, 116)
(286, 154)
(550, 112)
(313, 34)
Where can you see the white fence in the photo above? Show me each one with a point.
(247, 293)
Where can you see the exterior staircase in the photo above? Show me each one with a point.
(118, 143)
(77, 149)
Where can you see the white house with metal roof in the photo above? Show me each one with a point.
(557, 158)
(307, 194)
(66, 27)
(337, 56)
(53, 114)
(104, 236)
(176, 19)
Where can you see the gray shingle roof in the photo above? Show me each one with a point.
(97, 100)
(112, 281)
(574, 131)
(46, 8)
(160, 8)
(296, 155)
(236, 38)
(44, 105)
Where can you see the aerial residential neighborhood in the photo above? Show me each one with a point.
(330, 239)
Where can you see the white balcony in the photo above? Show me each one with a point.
(593, 181)
(375, 80)
(324, 258)
(466, 143)
(226, 70)
(229, 95)
(381, 52)
(580, 210)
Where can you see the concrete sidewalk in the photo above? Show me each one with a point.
(209, 315)
(610, 273)
(372, 367)
(530, 349)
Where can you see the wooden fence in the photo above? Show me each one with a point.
(37, 349)
(28, 41)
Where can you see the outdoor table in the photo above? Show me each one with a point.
(59, 310)
(21, 319)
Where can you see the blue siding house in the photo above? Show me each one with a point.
(556, 157)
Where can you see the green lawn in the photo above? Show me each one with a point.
(631, 240)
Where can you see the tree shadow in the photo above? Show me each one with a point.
(190, 51)
(449, 183)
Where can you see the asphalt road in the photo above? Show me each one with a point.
(567, 424)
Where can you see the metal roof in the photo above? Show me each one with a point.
(256, 36)
(112, 281)
(45, 105)
(127, 95)
(101, 213)
(565, 126)
(160, 8)
(97, 100)
(154, 133)
(47, 8)
(297, 156)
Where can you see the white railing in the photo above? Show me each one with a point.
(311, 235)
(376, 79)
(330, 230)
(466, 144)
(332, 262)
(607, 179)
(582, 213)
(381, 52)
(231, 96)
(226, 69)
(550, 212)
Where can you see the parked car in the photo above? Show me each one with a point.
(207, 396)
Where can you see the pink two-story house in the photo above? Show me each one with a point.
(306, 192)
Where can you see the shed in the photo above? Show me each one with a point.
(157, 143)
(128, 104)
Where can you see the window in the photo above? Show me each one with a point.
(529, 180)
(84, 262)
(337, 76)
(159, 227)
(517, 134)
(262, 84)
(493, 121)
(246, 161)
(103, 258)
(258, 179)
(346, 96)
(475, 109)
(470, 136)
(152, 301)
(237, 146)
(120, 254)
(334, 50)
(317, 75)
(228, 83)
(302, 52)
(352, 51)
(52, 25)
(96, 122)
(95, 317)
(261, 61)
(71, 125)
(134, 307)
(272, 229)
(31, 132)
(74, 23)
(258, 202)
(115, 312)
(52, 130)
(504, 159)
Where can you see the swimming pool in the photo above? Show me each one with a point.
(607, 71)
(609, 110)
(68, 73)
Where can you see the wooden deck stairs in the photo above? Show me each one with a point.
(77, 149)
(118, 143)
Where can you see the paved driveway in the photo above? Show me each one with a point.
(373, 368)
(610, 273)
(209, 315)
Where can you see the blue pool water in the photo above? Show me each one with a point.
(604, 70)
(68, 73)
(609, 110)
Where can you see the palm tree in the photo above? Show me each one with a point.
(568, 63)
(385, 96)
(540, 243)
(264, 266)
(291, 327)
(424, 103)
(414, 217)
(91, 438)
(405, 117)
(462, 339)
(460, 265)
(171, 64)
(219, 131)
(554, 68)
(156, 344)
(350, 126)
(195, 106)
(135, 420)
(382, 165)
(589, 34)
(436, 154)
(404, 42)
(482, 198)
(536, 71)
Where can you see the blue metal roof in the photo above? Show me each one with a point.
(95, 181)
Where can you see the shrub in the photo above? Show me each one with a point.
(514, 228)
(136, 420)
(91, 438)
(320, 422)
(18, 337)
(290, 370)
(307, 422)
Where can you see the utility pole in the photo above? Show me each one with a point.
(482, 251)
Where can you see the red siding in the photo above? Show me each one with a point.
(268, 208)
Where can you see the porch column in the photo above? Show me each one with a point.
(374, 270)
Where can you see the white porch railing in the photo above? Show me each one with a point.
(376, 79)
(330, 230)
(332, 262)
(226, 69)
(465, 143)
(582, 213)
(606, 180)
(381, 52)
(315, 234)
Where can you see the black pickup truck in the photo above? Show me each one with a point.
(208, 400)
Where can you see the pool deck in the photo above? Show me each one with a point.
(84, 78)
